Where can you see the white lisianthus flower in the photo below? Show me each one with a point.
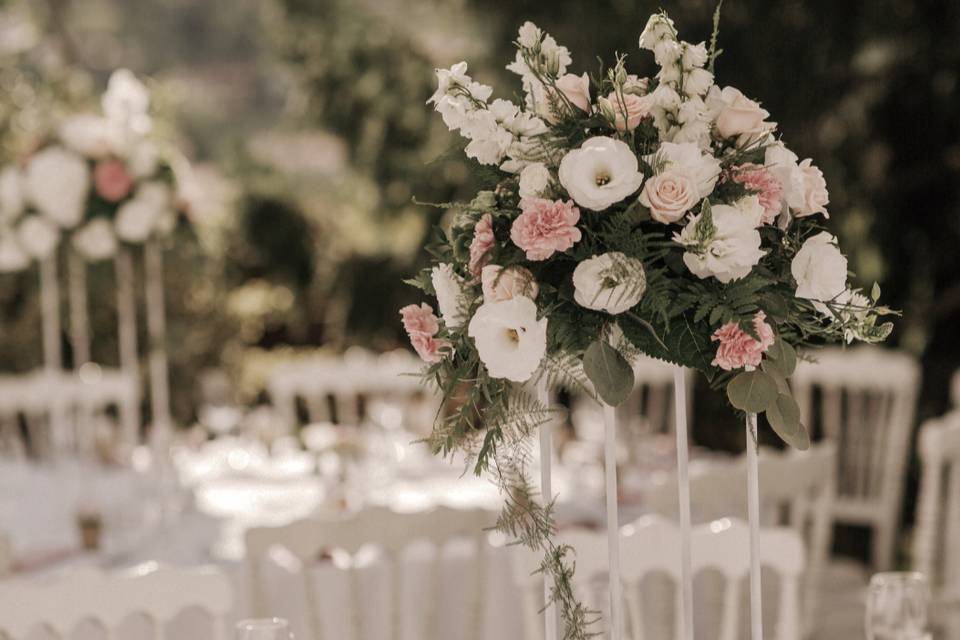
(12, 256)
(510, 340)
(11, 194)
(57, 183)
(534, 180)
(785, 167)
(611, 282)
(602, 172)
(723, 244)
(449, 288)
(687, 157)
(137, 218)
(819, 269)
(95, 240)
(751, 209)
(38, 236)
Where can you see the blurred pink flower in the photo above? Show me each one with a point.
(737, 348)
(483, 241)
(761, 181)
(112, 180)
(545, 227)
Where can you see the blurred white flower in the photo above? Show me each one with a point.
(12, 256)
(95, 240)
(449, 289)
(143, 159)
(57, 183)
(602, 172)
(820, 269)
(534, 180)
(612, 282)
(725, 246)
(11, 194)
(91, 136)
(510, 340)
(138, 217)
(127, 102)
(38, 236)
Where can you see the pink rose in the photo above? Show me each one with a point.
(815, 195)
(741, 117)
(576, 89)
(545, 227)
(501, 283)
(629, 110)
(421, 325)
(483, 241)
(669, 195)
(764, 184)
(429, 348)
(111, 180)
(737, 348)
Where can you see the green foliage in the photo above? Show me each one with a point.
(752, 391)
(609, 372)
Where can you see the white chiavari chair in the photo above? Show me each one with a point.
(392, 533)
(863, 400)
(160, 593)
(936, 542)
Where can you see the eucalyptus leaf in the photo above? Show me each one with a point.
(752, 391)
(771, 368)
(784, 416)
(785, 355)
(610, 373)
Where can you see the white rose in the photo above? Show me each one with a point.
(510, 340)
(611, 282)
(687, 157)
(501, 284)
(57, 183)
(449, 288)
(534, 180)
(783, 164)
(751, 209)
(137, 218)
(38, 236)
(819, 269)
(92, 136)
(740, 117)
(602, 172)
(11, 194)
(95, 240)
(12, 256)
(726, 250)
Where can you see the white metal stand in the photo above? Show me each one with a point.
(157, 329)
(127, 333)
(613, 524)
(683, 495)
(753, 510)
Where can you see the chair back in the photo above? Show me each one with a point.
(936, 542)
(87, 594)
(390, 531)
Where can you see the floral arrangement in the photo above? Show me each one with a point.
(100, 179)
(624, 215)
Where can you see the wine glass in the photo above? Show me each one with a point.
(264, 629)
(897, 606)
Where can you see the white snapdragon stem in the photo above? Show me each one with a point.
(683, 495)
(753, 512)
(546, 493)
(613, 524)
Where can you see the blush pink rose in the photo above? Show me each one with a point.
(422, 327)
(576, 89)
(668, 196)
(545, 227)
(741, 117)
(501, 283)
(815, 195)
(629, 110)
(111, 180)
(737, 348)
(483, 241)
(765, 185)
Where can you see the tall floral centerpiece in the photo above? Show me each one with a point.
(624, 215)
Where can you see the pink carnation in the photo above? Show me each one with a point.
(737, 348)
(422, 327)
(111, 180)
(545, 227)
(483, 241)
(762, 182)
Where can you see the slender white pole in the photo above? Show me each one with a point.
(546, 492)
(127, 335)
(613, 524)
(683, 495)
(79, 313)
(157, 328)
(753, 510)
(50, 313)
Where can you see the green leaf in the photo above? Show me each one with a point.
(771, 368)
(752, 391)
(784, 416)
(785, 356)
(610, 373)
(875, 292)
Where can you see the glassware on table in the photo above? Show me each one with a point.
(897, 604)
(264, 629)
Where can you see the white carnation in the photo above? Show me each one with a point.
(611, 282)
(12, 256)
(95, 240)
(11, 194)
(687, 157)
(820, 269)
(57, 183)
(38, 236)
(726, 249)
(602, 172)
(510, 340)
(534, 180)
(449, 288)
